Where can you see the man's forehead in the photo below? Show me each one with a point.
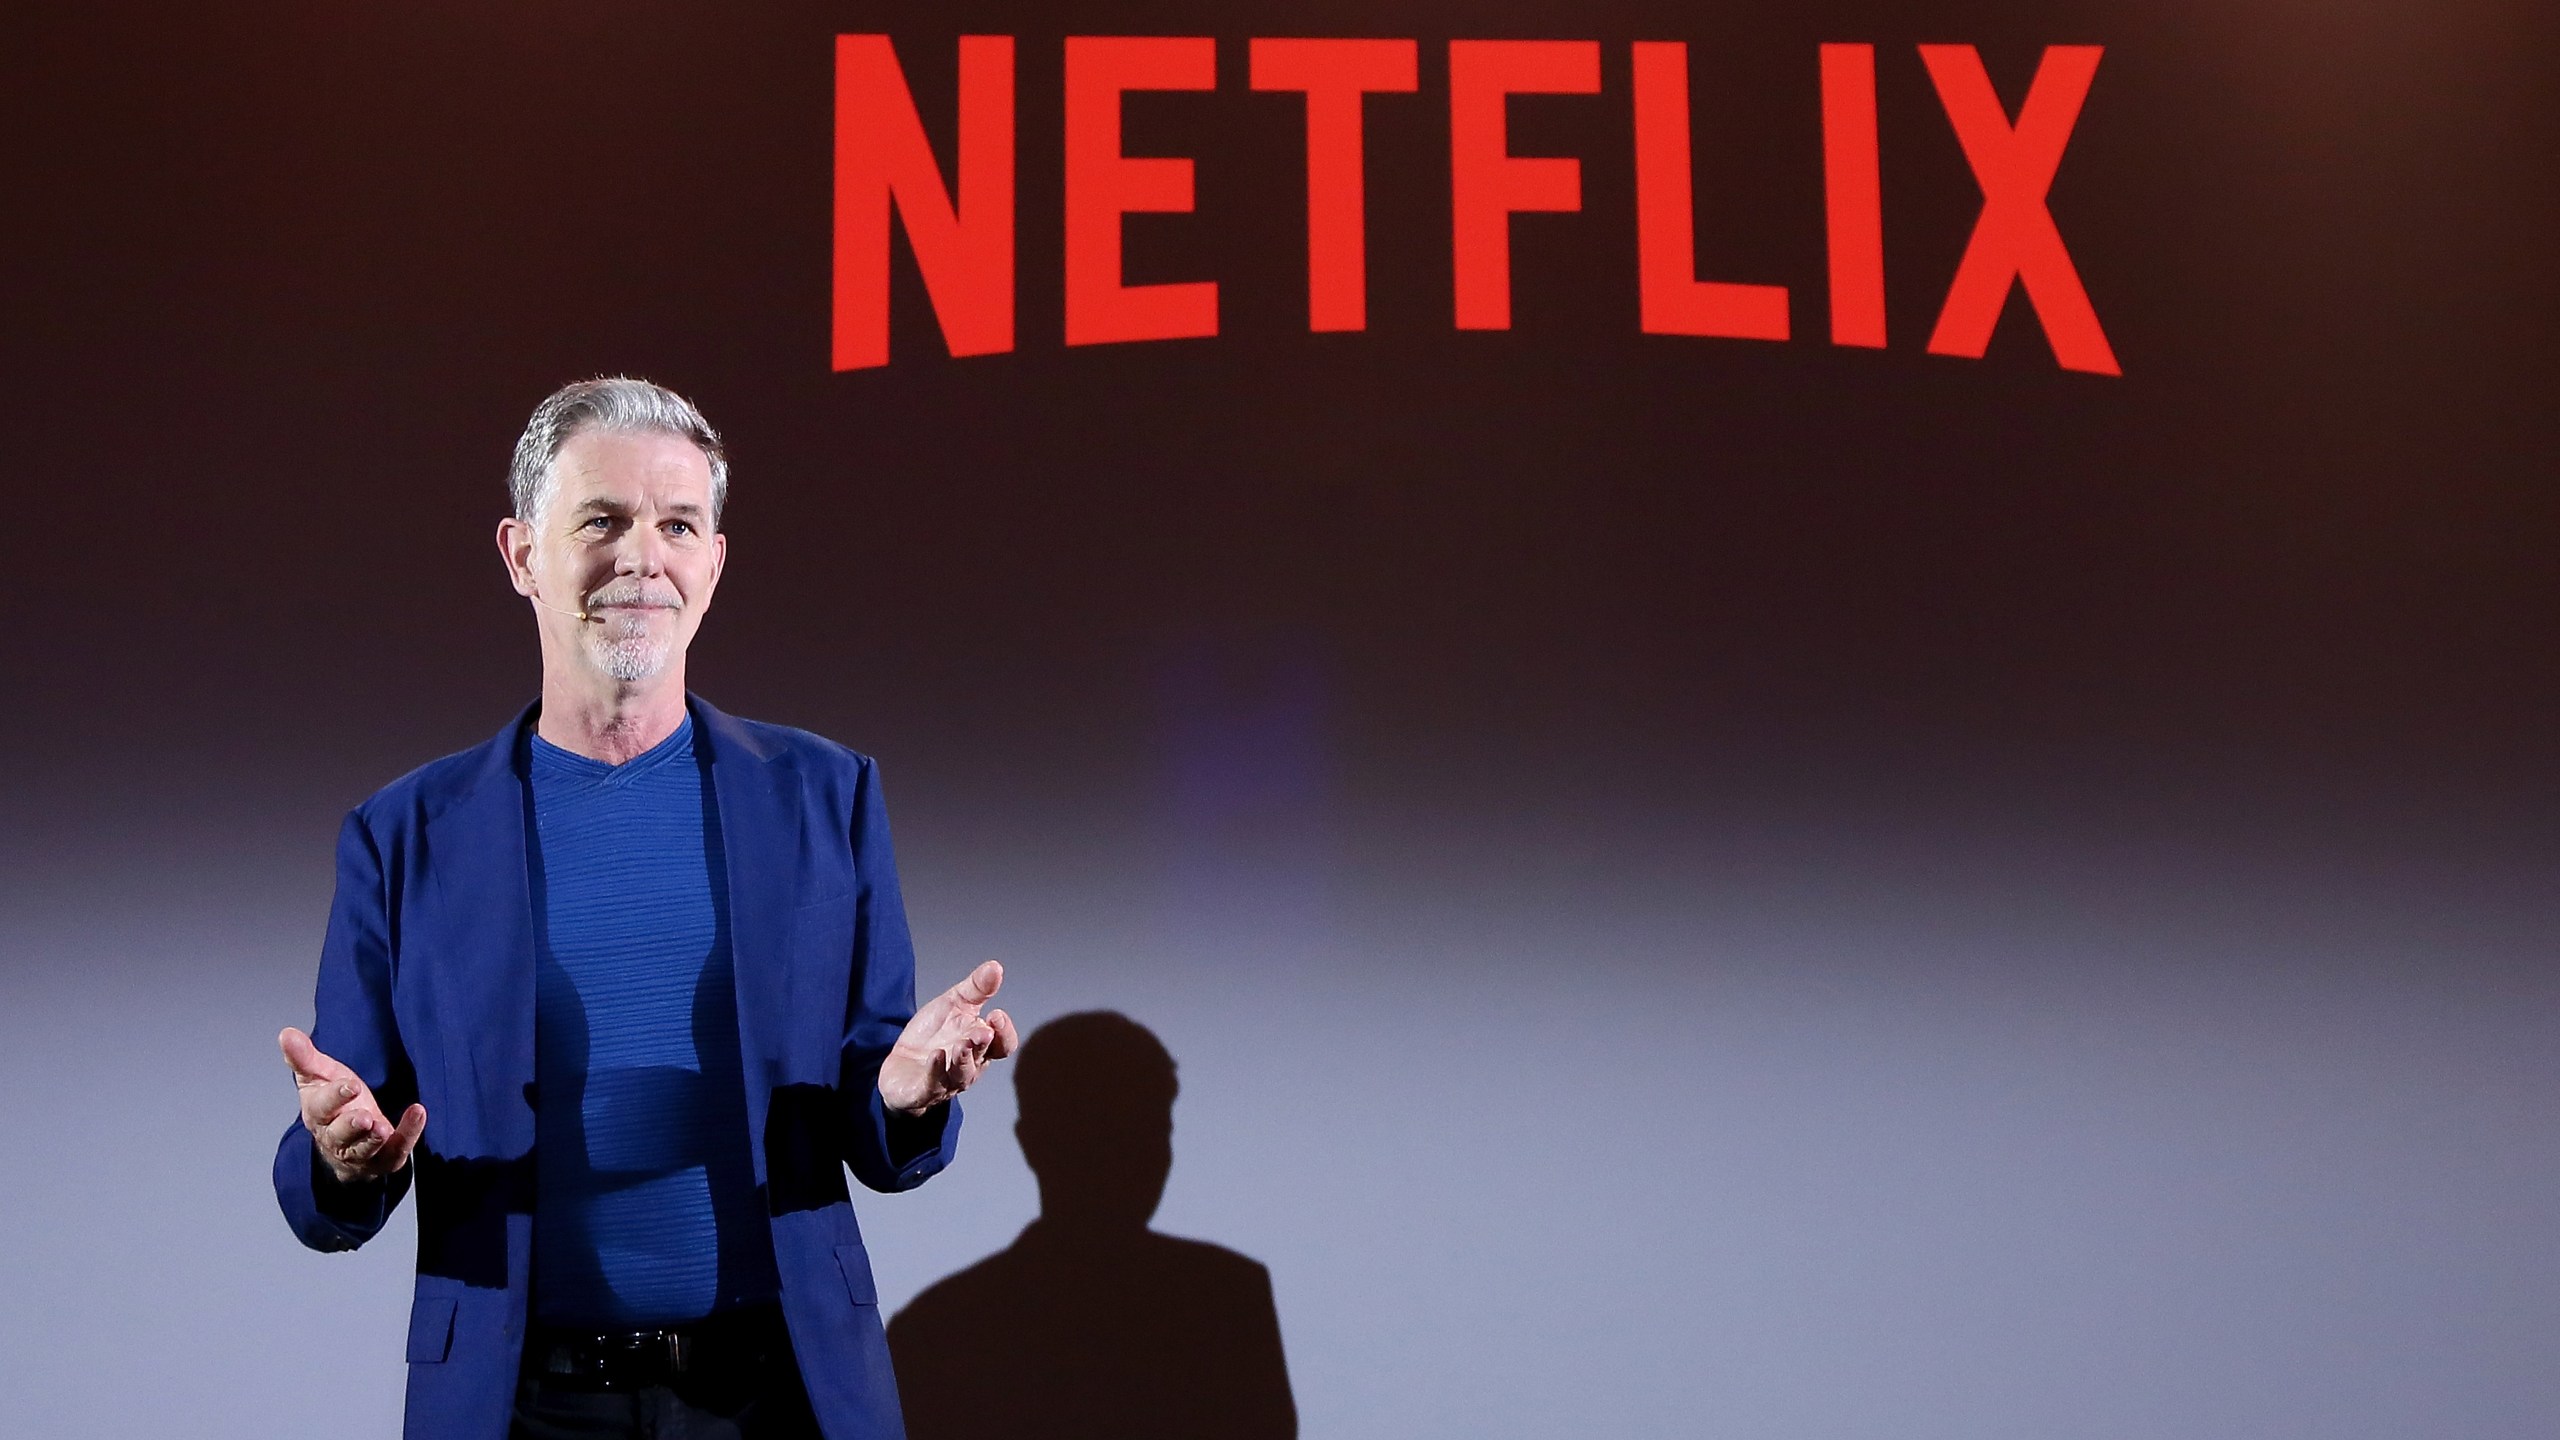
(622, 499)
(603, 470)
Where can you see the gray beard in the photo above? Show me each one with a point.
(630, 657)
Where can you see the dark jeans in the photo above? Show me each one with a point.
(753, 1395)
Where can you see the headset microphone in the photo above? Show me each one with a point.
(578, 615)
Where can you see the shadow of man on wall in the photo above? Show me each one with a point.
(1090, 1324)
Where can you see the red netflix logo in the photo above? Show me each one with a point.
(962, 232)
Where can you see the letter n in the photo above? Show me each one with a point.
(963, 250)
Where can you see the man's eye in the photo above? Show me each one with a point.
(679, 527)
(597, 521)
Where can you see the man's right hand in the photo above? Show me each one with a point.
(347, 1127)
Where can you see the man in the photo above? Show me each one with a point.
(635, 978)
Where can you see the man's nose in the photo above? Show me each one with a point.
(643, 552)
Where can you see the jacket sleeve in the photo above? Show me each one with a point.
(353, 1023)
(887, 1151)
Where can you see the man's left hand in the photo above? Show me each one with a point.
(948, 1045)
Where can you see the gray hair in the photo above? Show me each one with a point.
(617, 405)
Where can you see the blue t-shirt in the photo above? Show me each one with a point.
(646, 1210)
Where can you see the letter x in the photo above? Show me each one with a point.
(2015, 238)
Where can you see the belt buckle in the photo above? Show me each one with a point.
(623, 1359)
(651, 1355)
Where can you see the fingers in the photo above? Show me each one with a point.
(395, 1150)
(305, 1058)
(361, 1143)
(354, 1133)
(955, 1054)
(981, 985)
(948, 1043)
(347, 1145)
(966, 1054)
(324, 1102)
(338, 1109)
(331, 1093)
(325, 1097)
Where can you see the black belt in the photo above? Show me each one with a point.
(729, 1344)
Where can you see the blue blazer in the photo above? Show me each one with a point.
(426, 990)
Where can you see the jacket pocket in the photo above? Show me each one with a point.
(855, 1262)
(430, 1329)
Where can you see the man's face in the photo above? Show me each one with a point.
(626, 537)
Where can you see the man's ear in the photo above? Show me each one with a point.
(515, 551)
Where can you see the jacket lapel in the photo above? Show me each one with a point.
(478, 852)
(758, 805)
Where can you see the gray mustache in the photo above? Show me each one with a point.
(632, 595)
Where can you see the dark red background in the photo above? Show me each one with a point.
(2237, 671)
